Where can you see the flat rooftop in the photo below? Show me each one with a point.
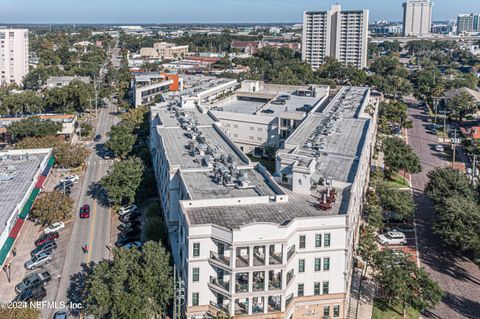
(178, 154)
(298, 206)
(17, 173)
(333, 137)
(201, 185)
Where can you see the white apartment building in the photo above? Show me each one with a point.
(260, 114)
(336, 33)
(417, 17)
(61, 81)
(165, 51)
(244, 244)
(14, 56)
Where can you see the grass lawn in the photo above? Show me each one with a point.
(383, 311)
(269, 164)
(397, 181)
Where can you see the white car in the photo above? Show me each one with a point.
(439, 148)
(392, 238)
(136, 244)
(71, 178)
(54, 227)
(127, 209)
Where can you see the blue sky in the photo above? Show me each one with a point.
(191, 11)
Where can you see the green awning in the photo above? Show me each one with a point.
(28, 205)
(51, 161)
(6, 249)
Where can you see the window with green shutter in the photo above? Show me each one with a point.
(318, 240)
(301, 265)
(195, 298)
(301, 290)
(195, 274)
(318, 264)
(326, 263)
(326, 240)
(196, 249)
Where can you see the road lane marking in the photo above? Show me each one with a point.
(92, 232)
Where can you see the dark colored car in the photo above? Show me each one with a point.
(65, 185)
(269, 111)
(33, 281)
(60, 315)
(125, 238)
(97, 138)
(47, 248)
(35, 294)
(130, 217)
(46, 238)
(85, 211)
(134, 223)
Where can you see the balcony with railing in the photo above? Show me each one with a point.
(220, 283)
(290, 252)
(242, 257)
(275, 280)
(241, 306)
(241, 282)
(276, 254)
(259, 256)
(290, 276)
(223, 306)
(258, 281)
(274, 304)
(221, 258)
(258, 304)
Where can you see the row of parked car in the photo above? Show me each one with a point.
(130, 232)
(31, 288)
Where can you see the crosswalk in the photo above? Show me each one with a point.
(100, 162)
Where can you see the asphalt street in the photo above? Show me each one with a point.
(457, 275)
(94, 231)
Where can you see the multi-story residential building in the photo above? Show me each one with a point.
(14, 56)
(22, 174)
(417, 17)
(165, 51)
(260, 114)
(146, 86)
(468, 23)
(336, 33)
(248, 244)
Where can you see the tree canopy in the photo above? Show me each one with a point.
(400, 156)
(143, 278)
(52, 207)
(33, 127)
(123, 180)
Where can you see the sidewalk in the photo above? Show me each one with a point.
(23, 246)
(367, 293)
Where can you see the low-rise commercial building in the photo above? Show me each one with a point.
(22, 174)
(249, 244)
(61, 81)
(165, 51)
(69, 123)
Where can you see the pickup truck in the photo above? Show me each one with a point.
(33, 280)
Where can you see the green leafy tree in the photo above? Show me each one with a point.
(461, 105)
(403, 283)
(20, 313)
(33, 127)
(368, 247)
(397, 201)
(121, 140)
(449, 182)
(393, 115)
(66, 155)
(123, 180)
(52, 207)
(143, 278)
(400, 156)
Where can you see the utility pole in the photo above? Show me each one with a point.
(444, 123)
(454, 144)
(179, 295)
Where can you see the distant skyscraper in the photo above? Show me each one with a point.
(468, 23)
(13, 55)
(417, 17)
(339, 34)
